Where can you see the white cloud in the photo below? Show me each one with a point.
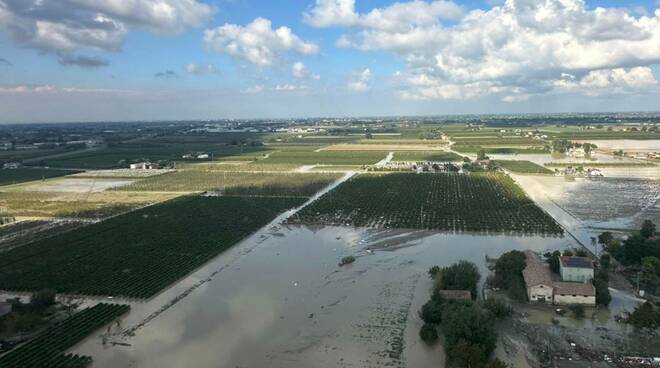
(610, 81)
(359, 82)
(514, 50)
(396, 17)
(200, 69)
(56, 90)
(278, 88)
(65, 26)
(299, 71)
(257, 42)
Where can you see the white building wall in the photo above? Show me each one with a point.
(539, 292)
(578, 299)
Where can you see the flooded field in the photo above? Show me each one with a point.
(280, 299)
(616, 203)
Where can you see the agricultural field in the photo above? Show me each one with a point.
(386, 147)
(139, 253)
(488, 202)
(251, 183)
(523, 167)
(427, 156)
(48, 347)
(167, 148)
(19, 233)
(21, 175)
(325, 157)
(504, 141)
(500, 150)
(121, 173)
(74, 205)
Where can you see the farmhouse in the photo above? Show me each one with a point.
(575, 287)
(576, 269)
(538, 280)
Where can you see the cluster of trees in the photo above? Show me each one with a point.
(646, 315)
(563, 145)
(468, 327)
(508, 274)
(640, 250)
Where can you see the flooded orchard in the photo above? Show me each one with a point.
(280, 298)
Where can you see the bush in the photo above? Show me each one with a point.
(431, 312)
(581, 253)
(648, 229)
(429, 333)
(645, 316)
(577, 309)
(498, 307)
(346, 260)
(433, 271)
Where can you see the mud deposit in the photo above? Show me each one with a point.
(279, 299)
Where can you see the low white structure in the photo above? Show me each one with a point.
(142, 166)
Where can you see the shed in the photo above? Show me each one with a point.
(567, 293)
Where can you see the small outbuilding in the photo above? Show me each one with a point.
(456, 294)
(567, 293)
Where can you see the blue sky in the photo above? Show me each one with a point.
(80, 60)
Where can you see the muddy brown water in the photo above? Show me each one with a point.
(281, 300)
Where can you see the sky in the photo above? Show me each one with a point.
(128, 60)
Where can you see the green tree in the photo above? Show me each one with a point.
(429, 333)
(645, 316)
(498, 307)
(602, 292)
(470, 335)
(553, 261)
(605, 261)
(431, 312)
(463, 275)
(433, 271)
(577, 309)
(508, 268)
(648, 229)
(481, 155)
(650, 276)
(605, 238)
(568, 253)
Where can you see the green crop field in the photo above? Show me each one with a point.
(325, 157)
(500, 150)
(488, 202)
(426, 156)
(22, 175)
(505, 141)
(254, 183)
(139, 253)
(522, 166)
(48, 347)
